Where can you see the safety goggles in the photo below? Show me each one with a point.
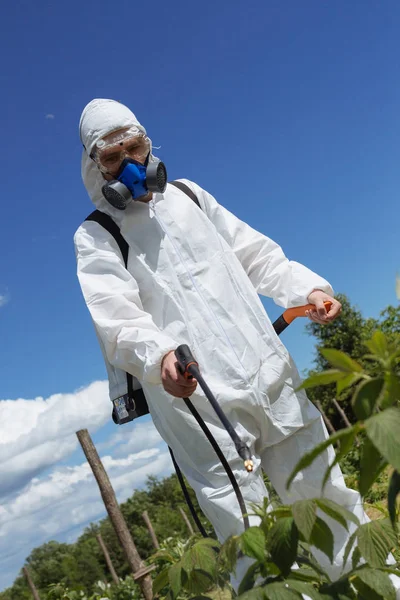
(110, 151)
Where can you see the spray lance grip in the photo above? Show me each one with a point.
(186, 360)
(189, 367)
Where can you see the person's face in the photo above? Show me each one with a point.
(111, 150)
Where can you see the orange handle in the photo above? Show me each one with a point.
(300, 311)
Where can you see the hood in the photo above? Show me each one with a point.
(99, 118)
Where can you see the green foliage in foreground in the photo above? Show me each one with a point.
(281, 546)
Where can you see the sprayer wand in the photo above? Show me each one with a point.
(190, 368)
(188, 365)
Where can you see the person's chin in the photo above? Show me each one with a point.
(145, 198)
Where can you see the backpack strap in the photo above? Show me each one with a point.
(141, 407)
(186, 190)
(110, 225)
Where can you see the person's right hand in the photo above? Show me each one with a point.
(172, 379)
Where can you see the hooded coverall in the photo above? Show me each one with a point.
(194, 277)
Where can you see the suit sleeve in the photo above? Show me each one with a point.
(131, 340)
(272, 274)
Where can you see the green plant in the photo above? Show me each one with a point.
(126, 589)
(190, 568)
(284, 567)
(375, 403)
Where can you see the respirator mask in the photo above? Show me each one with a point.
(126, 156)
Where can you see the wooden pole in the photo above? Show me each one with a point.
(31, 584)
(327, 422)
(188, 523)
(345, 418)
(153, 536)
(341, 412)
(114, 512)
(110, 566)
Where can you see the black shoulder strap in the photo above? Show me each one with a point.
(109, 225)
(186, 190)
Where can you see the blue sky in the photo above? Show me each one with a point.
(288, 113)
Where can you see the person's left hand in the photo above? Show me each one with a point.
(321, 315)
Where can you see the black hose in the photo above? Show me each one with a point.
(186, 495)
(241, 447)
(223, 460)
(187, 364)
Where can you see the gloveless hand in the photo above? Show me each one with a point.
(172, 379)
(321, 315)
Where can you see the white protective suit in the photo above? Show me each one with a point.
(194, 277)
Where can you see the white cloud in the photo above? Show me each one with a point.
(127, 440)
(62, 504)
(48, 492)
(35, 428)
(43, 500)
(18, 470)
(50, 116)
(36, 434)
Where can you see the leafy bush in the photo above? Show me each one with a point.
(127, 589)
(284, 567)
